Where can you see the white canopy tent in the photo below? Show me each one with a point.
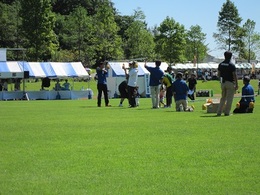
(10, 70)
(55, 69)
(116, 75)
(13, 70)
(212, 65)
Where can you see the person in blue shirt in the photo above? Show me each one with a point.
(102, 83)
(246, 103)
(156, 76)
(180, 93)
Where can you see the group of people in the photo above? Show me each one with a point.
(168, 85)
(128, 89)
(65, 86)
(4, 84)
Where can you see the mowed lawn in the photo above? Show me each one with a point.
(74, 147)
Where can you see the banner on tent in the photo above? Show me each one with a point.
(147, 87)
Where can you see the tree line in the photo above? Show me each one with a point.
(91, 31)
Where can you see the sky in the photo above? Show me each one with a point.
(190, 13)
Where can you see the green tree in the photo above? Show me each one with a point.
(10, 2)
(196, 49)
(251, 40)
(139, 41)
(229, 32)
(105, 40)
(10, 36)
(8, 24)
(65, 7)
(171, 41)
(74, 32)
(37, 27)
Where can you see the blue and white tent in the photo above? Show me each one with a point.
(43, 69)
(10, 70)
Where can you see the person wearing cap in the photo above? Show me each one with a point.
(102, 83)
(132, 76)
(229, 84)
(180, 92)
(156, 76)
(246, 103)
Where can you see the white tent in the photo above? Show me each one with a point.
(10, 70)
(116, 75)
(54, 69)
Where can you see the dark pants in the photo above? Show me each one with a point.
(244, 108)
(132, 92)
(191, 96)
(102, 88)
(169, 96)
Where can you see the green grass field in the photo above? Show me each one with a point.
(74, 147)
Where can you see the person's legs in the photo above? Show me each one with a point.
(105, 94)
(131, 97)
(153, 95)
(157, 96)
(222, 99)
(177, 105)
(230, 91)
(185, 104)
(99, 88)
(169, 97)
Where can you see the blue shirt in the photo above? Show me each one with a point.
(101, 73)
(180, 89)
(247, 90)
(155, 76)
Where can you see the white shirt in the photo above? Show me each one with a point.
(132, 80)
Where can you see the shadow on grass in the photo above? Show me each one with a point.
(211, 116)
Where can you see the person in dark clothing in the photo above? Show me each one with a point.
(180, 91)
(192, 82)
(229, 85)
(246, 103)
(102, 83)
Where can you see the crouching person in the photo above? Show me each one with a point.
(246, 103)
(180, 92)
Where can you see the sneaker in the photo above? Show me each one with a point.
(228, 114)
(120, 105)
(108, 105)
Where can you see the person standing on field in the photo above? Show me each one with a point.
(132, 76)
(102, 83)
(167, 81)
(156, 76)
(229, 85)
(192, 82)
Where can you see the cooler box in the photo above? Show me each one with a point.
(212, 108)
